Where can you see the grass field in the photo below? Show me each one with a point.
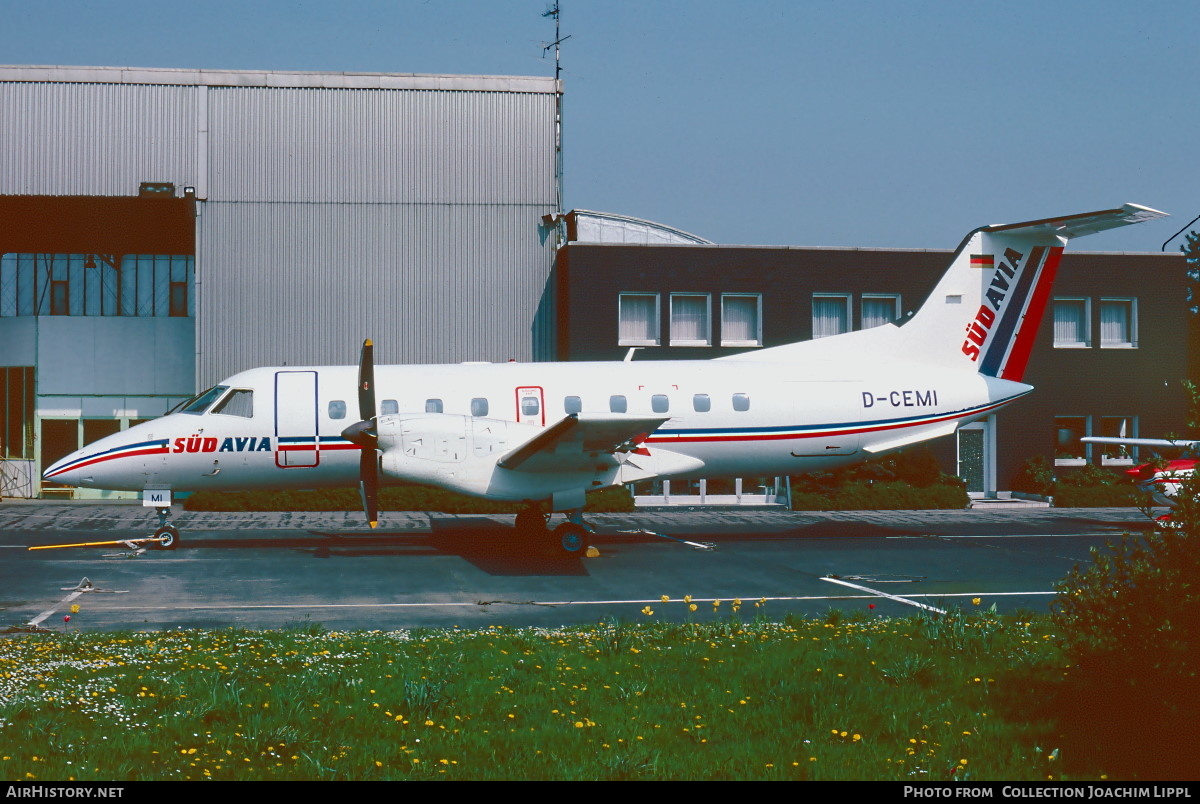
(968, 696)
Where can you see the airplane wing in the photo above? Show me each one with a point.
(579, 439)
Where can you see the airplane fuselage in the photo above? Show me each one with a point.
(281, 427)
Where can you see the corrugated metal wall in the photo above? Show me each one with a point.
(326, 215)
(95, 139)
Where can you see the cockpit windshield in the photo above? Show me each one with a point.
(198, 404)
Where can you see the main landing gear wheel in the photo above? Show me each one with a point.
(168, 537)
(571, 537)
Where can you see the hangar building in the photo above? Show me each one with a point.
(161, 229)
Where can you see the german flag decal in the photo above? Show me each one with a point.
(983, 261)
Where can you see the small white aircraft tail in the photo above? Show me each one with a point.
(984, 313)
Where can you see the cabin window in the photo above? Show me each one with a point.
(337, 409)
(659, 403)
(198, 404)
(479, 406)
(240, 402)
(530, 406)
(741, 402)
(388, 407)
(701, 403)
(618, 404)
(433, 406)
(572, 404)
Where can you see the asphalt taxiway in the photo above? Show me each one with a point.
(420, 571)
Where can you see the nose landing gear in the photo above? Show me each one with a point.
(166, 535)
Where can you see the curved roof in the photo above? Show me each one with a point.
(586, 226)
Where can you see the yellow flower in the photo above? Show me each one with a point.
(691, 607)
(962, 762)
(975, 601)
(647, 611)
(74, 608)
(687, 598)
(665, 599)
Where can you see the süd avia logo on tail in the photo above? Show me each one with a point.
(1002, 281)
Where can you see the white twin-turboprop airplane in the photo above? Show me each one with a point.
(544, 434)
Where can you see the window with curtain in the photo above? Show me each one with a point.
(1118, 323)
(879, 309)
(1071, 323)
(831, 314)
(741, 319)
(637, 319)
(690, 319)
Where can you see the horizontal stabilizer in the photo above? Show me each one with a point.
(1085, 223)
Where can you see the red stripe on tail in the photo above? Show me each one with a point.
(1018, 358)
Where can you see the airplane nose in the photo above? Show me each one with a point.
(66, 471)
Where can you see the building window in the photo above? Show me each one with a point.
(95, 284)
(433, 406)
(690, 324)
(60, 297)
(831, 314)
(741, 319)
(638, 319)
(1118, 323)
(572, 405)
(1117, 427)
(479, 406)
(1072, 319)
(879, 309)
(1068, 450)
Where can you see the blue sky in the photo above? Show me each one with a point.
(878, 124)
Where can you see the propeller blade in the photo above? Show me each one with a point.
(366, 381)
(365, 435)
(368, 485)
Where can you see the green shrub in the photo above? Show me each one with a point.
(1130, 622)
(1094, 487)
(883, 496)
(1036, 477)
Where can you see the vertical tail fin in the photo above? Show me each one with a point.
(985, 311)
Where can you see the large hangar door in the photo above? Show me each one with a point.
(296, 442)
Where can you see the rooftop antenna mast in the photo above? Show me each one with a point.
(554, 11)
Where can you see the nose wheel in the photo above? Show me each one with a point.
(166, 534)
